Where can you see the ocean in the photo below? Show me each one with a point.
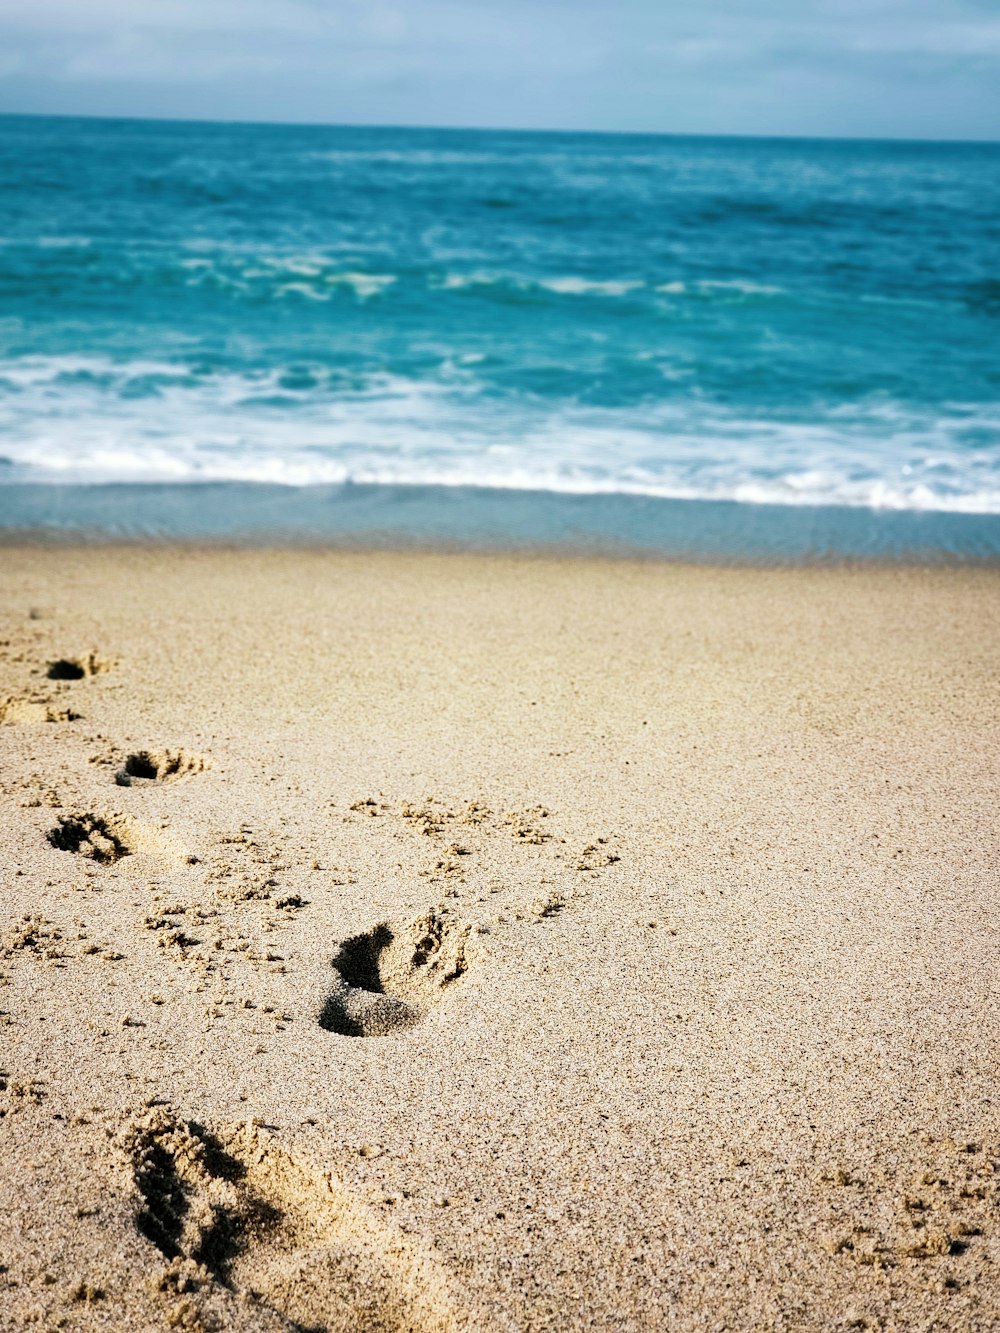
(692, 345)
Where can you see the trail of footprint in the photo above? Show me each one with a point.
(237, 1204)
(388, 976)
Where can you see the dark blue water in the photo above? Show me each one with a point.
(768, 323)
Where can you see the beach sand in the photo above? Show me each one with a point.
(680, 885)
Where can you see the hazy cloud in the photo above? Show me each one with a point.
(893, 67)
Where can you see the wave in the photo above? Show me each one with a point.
(239, 271)
(708, 286)
(84, 265)
(91, 419)
(315, 278)
(574, 285)
(303, 468)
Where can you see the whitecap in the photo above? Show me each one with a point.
(78, 419)
(589, 287)
(362, 284)
(301, 289)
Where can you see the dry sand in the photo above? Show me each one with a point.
(680, 886)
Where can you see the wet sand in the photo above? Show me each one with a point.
(415, 942)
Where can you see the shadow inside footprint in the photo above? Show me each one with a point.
(139, 765)
(77, 668)
(388, 976)
(357, 959)
(360, 1007)
(66, 669)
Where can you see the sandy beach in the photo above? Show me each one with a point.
(453, 942)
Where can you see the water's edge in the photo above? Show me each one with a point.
(482, 519)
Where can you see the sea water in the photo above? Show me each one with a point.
(672, 343)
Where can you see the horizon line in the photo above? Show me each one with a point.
(498, 129)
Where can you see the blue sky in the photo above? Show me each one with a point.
(909, 68)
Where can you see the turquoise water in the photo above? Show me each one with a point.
(779, 324)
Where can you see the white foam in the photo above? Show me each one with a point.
(589, 287)
(708, 286)
(308, 274)
(575, 285)
(737, 285)
(301, 289)
(91, 419)
(456, 281)
(362, 284)
(31, 371)
(569, 285)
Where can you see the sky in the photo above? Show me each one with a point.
(872, 68)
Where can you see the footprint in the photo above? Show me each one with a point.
(102, 840)
(109, 838)
(77, 668)
(278, 1233)
(149, 766)
(20, 712)
(389, 976)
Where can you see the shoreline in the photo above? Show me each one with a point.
(700, 866)
(404, 517)
(566, 559)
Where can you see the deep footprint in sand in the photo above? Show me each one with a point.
(146, 767)
(233, 1209)
(101, 840)
(390, 975)
(107, 839)
(78, 668)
